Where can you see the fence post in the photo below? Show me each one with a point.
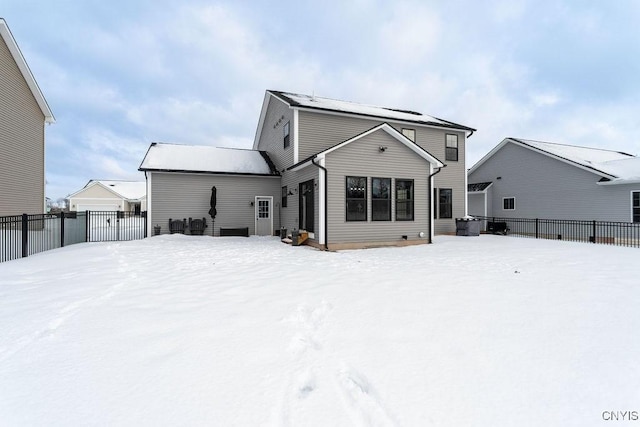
(537, 221)
(87, 223)
(594, 230)
(145, 224)
(25, 235)
(62, 229)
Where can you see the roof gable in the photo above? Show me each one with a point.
(386, 127)
(206, 159)
(6, 35)
(590, 159)
(128, 190)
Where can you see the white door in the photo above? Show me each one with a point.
(264, 216)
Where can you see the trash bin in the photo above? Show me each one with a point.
(156, 230)
(467, 226)
(283, 233)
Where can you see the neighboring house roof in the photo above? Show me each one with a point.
(6, 35)
(386, 128)
(479, 187)
(205, 159)
(129, 190)
(615, 167)
(319, 103)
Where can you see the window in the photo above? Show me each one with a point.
(509, 203)
(285, 131)
(635, 205)
(285, 191)
(381, 199)
(404, 200)
(445, 203)
(356, 198)
(451, 147)
(410, 133)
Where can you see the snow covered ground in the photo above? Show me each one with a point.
(186, 330)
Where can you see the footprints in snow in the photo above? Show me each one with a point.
(319, 379)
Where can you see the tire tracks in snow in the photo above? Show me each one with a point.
(319, 381)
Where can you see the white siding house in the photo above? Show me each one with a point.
(110, 195)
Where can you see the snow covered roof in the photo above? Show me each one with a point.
(615, 167)
(327, 104)
(127, 189)
(206, 159)
(6, 35)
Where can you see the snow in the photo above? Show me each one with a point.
(584, 155)
(627, 170)
(363, 109)
(194, 158)
(197, 330)
(127, 189)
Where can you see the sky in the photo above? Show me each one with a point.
(119, 75)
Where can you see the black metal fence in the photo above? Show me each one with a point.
(604, 232)
(24, 235)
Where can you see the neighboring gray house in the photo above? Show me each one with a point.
(521, 178)
(23, 114)
(351, 175)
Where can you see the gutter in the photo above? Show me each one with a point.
(431, 201)
(326, 200)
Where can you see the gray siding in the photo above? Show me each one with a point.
(362, 158)
(548, 188)
(476, 203)
(319, 131)
(22, 142)
(177, 196)
(272, 136)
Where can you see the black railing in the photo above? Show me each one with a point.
(24, 235)
(604, 232)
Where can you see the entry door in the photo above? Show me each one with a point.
(264, 216)
(306, 206)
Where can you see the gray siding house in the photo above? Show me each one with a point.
(522, 178)
(351, 175)
(23, 114)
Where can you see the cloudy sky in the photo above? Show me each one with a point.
(119, 75)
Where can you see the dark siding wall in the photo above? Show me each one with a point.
(272, 136)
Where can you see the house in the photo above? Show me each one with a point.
(23, 114)
(180, 179)
(522, 178)
(103, 195)
(350, 175)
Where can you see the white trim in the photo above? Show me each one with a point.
(296, 145)
(466, 175)
(321, 201)
(486, 204)
(149, 216)
(263, 114)
(11, 43)
(255, 206)
(433, 204)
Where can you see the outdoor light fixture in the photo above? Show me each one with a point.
(382, 149)
(421, 234)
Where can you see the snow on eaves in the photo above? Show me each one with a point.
(127, 189)
(317, 102)
(207, 159)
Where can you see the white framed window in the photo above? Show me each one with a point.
(451, 147)
(409, 133)
(509, 203)
(285, 132)
(635, 206)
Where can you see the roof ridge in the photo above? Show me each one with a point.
(572, 145)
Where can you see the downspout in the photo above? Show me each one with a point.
(431, 201)
(326, 203)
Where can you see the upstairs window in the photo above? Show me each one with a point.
(285, 191)
(410, 133)
(404, 200)
(635, 206)
(445, 203)
(451, 147)
(509, 203)
(381, 199)
(285, 131)
(356, 198)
